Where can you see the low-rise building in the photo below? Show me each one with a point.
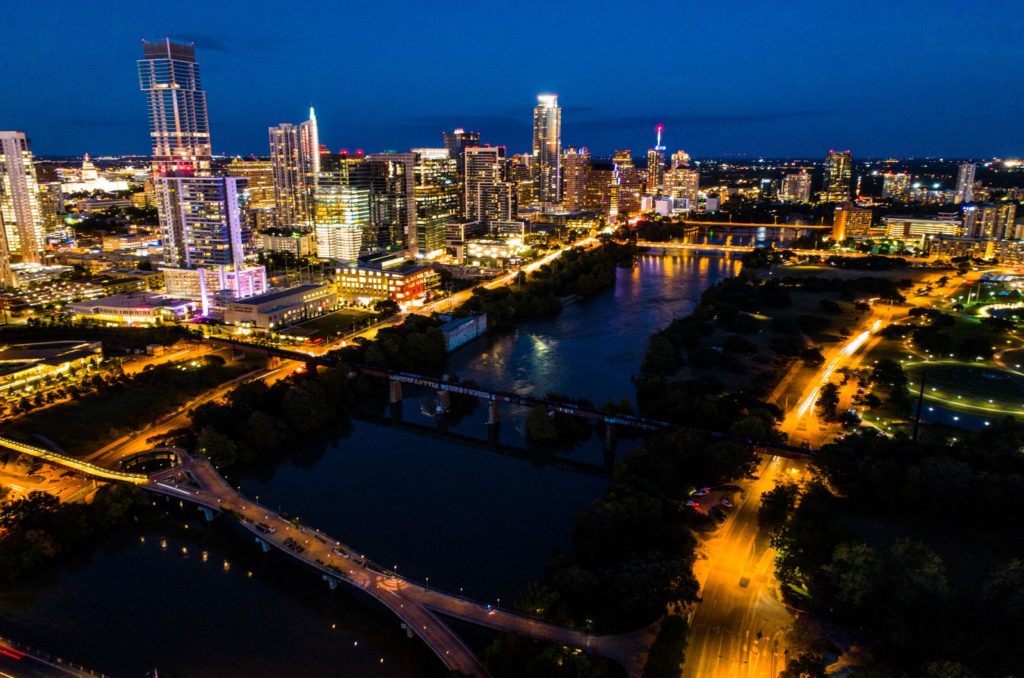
(463, 330)
(23, 365)
(135, 308)
(408, 284)
(295, 242)
(283, 307)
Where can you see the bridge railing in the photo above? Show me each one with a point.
(76, 464)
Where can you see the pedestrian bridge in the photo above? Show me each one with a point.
(419, 607)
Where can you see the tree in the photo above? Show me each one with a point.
(216, 447)
(972, 348)
(812, 357)
(387, 308)
(917, 572)
(776, 505)
(661, 358)
(828, 401)
(853, 573)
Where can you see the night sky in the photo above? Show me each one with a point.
(775, 79)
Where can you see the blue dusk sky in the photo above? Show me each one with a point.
(772, 79)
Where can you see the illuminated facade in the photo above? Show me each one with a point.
(202, 224)
(547, 148)
(179, 128)
(682, 183)
(796, 187)
(405, 285)
(838, 176)
(295, 158)
(438, 199)
(629, 182)
(489, 197)
(965, 182)
(390, 180)
(341, 213)
(896, 186)
(575, 166)
(20, 214)
(850, 221)
(656, 165)
(990, 221)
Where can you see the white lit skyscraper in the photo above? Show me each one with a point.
(547, 148)
(295, 156)
(965, 182)
(179, 128)
(838, 176)
(20, 212)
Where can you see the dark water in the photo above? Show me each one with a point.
(464, 517)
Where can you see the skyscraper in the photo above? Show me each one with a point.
(575, 167)
(838, 176)
(488, 195)
(850, 221)
(23, 221)
(629, 182)
(341, 213)
(437, 199)
(178, 125)
(390, 180)
(896, 185)
(796, 187)
(683, 183)
(200, 215)
(656, 164)
(547, 148)
(458, 140)
(204, 220)
(965, 182)
(295, 155)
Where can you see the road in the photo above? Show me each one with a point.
(134, 443)
(738, 629)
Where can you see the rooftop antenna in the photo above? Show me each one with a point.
(659, 129)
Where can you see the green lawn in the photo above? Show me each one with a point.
(330, 324)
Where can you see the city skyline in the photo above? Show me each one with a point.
(712, 102)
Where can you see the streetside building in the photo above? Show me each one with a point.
(22, 365)
(284, 307)
(407, 284)
(135, 308)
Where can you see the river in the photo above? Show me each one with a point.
(466, 518)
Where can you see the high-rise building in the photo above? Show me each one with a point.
(656, 165)
(458, 140)
(390, 180)
(23, 222)
(295, 157)
(796, 187)
(438, 199)
(341, 212)
(683, 183)
(521, 174)
(575, 166)
(203, 228)
(850, 221)
(262, 206)
(990, 221)
(178, 125)
(838, 176)
(896, 186)
(629, 182)
(489, 195)
(965, 182)
(547, 148)
(602, 191)
(680, 159)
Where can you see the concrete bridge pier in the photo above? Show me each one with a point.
(264, 546)
(395, 399)
(493, 413)
(311, 366)
(444, 401)
(208, 513)
(609, 439)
